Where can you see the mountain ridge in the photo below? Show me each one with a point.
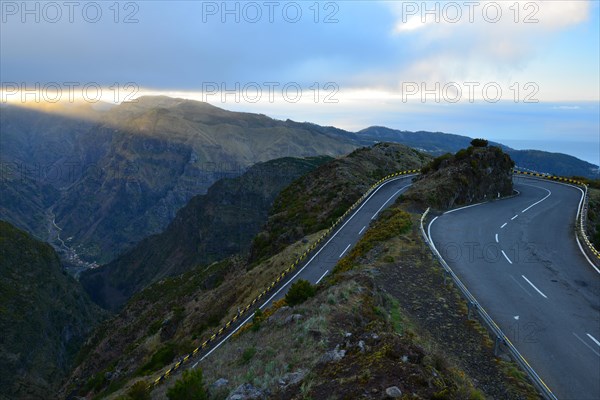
(123, 172)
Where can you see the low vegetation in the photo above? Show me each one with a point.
(383, 320)
(189, 387)
(593, 222)
(387, 319)
(299, 292)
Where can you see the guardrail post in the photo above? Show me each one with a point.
(470, 307)
(497, 343)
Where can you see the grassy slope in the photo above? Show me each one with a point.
(388, 293)
(211, 295)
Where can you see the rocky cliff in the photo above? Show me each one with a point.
(471, 175)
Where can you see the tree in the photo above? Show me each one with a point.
(299, 292)
(479, 143)
(189, 387)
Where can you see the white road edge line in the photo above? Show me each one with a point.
(346, 249)
(586, 345)
(505, 256)
(305, 265)
(321, 278)
(462, 208)
(503, 225)
(576, 219)
(533, 286)
(497, 238)
(363, 228)
(539, 201)
(387, 201)
(515, 351)
(330, 239)
(513, 218)
(586, 256)
(594, 339)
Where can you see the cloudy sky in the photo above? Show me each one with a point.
(524, 73)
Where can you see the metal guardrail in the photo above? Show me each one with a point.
(224, 329)
(473, 304)
(243, 311)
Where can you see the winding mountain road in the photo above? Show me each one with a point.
(520, 259)
(336, 245)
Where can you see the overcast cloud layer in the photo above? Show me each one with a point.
(369, 52)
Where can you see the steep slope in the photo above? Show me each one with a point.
(383, 318)
(319, 198)
(44, 317)
(163, 152)
(174, 314)
(124, 171)
(24, 202)
(209, 228)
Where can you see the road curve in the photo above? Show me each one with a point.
(338, 244)
(520, 259)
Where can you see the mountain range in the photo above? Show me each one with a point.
(211, 227)
(95, 181)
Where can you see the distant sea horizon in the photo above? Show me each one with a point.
(586, 151)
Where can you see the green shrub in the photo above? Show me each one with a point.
(479, 143)
(189, 387)
(257, 320)
(434, 165)
(299, 292)
(248, 354)
(464, 153)
(95, 383)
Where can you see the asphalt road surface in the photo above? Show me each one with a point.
(520, 259)
(338, 244)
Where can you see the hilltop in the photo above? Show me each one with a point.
(471, 175)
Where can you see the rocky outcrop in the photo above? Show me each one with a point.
(472, 175)
(247, 392)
